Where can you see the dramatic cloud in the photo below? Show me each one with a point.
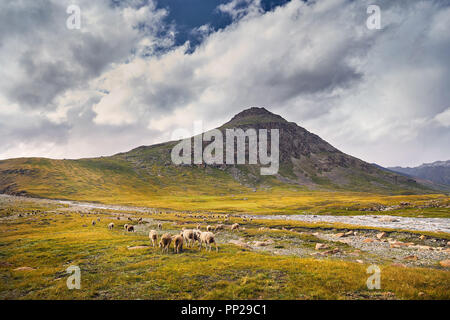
(122, 81)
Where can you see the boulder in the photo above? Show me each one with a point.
(240, 243)
(321, 246)
(24, 269)
(411, 258)
(445, 263)
(381, 235)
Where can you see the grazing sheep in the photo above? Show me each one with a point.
(165, 241)
(111, 226)
(125, 226)
(153, 235)
(177, 243)
(209, 228)
(159, 226)
(235, 226)
(98, 219)
(207, 238)
(130, 228)
(219, 227)
(93, 222)
(140, 221)
(189, 236)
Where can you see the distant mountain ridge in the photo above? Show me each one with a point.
(437, 172)
(306, 162)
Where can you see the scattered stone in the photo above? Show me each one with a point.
(401, 265)
(340, 235)
(445, 263)
(381, 235)
(422, 237)
(240, 243)
(359, 261)
(411, 258)
(24, 269)
(368, 240)
(350, 233)
(333, 251)
(421, 294)
(321, 246)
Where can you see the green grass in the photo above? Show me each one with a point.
(110, 271)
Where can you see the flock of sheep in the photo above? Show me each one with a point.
(188, 236)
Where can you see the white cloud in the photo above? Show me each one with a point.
(377, 94)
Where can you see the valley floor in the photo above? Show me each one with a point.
(284, 257)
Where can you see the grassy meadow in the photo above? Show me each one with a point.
(55, 237)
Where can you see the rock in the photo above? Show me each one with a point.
(388, 219)
(350, 233)
(240, 243)
(381, 235)
(411, 258)
(340, 235)
(421, 294)
(24, 269)
(424, 248)
(359, 261)
(368, 240)
(333, 251)
(445, 263)
(398, 244)
(321, 246)
(400, 265)
(261, 243)
(422, 237)
(448, 243)
(138, 247)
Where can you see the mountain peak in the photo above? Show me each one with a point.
(255, 115)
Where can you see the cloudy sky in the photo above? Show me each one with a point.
(137, 70)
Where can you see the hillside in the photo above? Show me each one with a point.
(306, 163)
(437, 172)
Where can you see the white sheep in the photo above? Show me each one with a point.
(188, 236)
(153, 235)
(111, 226)
(207, 238)
(235, 226)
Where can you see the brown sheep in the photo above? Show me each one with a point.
(219, 227)
(153, 235)
(235, 226)
(130, 228)
(177, 243)
(207, 238)
(111, 226)
(165, 241)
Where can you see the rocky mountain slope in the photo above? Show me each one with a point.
(306, 162)
(437, 172)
